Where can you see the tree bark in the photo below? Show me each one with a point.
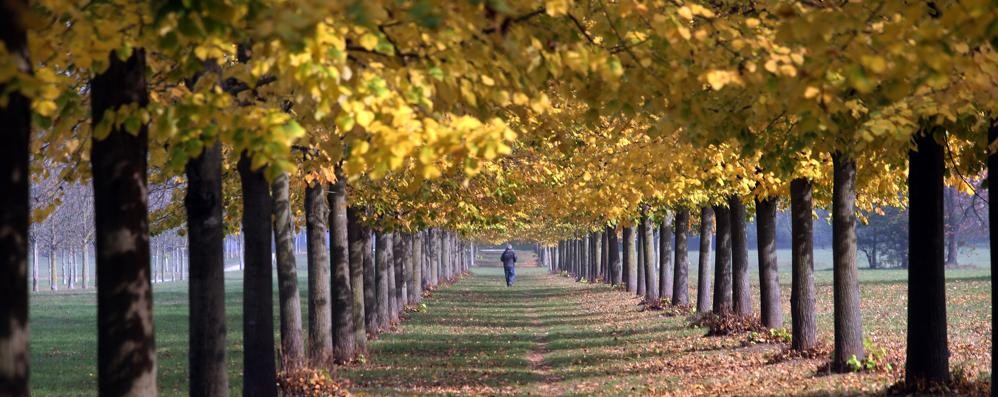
(927, 359)
(357, 236)
(630, 260)
(381, 263)
(320, 321)
(370, 282)
(393, 241)
(433, 235)
(848, 322)
(259, 367)
(407, 268)
(651, 276)
(722, 262)
(343, 330)
(680, 287)
(15, 179)
(665, 266)
(741, 290)
(992, 232)
(769, 273)
(613, 256)
(292, 343)
(597, 267)
(400, 257)
(206, 284)
(802, 311)
(416, 292)
(641, 259)
(126, 349)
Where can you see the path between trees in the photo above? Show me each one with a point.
(551, 336)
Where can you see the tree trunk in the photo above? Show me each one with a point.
(85, 269)
(630, 272)
(597, 259)
(15, 216)
(651, 275)
(407, 268)
(802, 310)
(53, 271)
(741, 291)
(34, 267)
(341, 293)
(641, 258)
(927, 359)
(665, 266)
(416, 292)
(952, 227)
(259, 367)
(613, 256)
(357, 239)
(292, 343)
(206, 286)
(722, 262)
(370, 282)
(848, 322)
(393, 241)
(320, 320)
(433, 237)
(992, 232)
(769, 273)
(126, 349)
(680, 287)
(381, 264)
(399, 256)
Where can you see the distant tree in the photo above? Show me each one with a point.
(884, 239)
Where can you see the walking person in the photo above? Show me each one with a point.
(508, 259)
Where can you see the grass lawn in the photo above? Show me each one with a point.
(546, 336)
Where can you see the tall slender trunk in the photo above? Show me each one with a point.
(393, 240)
(126, 348)
(613, 256)
(53, 271)
(206, 286)
(320, 320)
(370, 282)
(680, 286)
(802, 311)
(259, 367)
(341, 293)
(848, 322)
(292, 343)
(407, 270)
(769, 273)
(642, 286)
(665, 281)
(400, 257)
(15, 177)
(651, 275)
(630, 272)
(381, 264)
(741, 291)
(952, 227)
(433, 237)
(597, 257)
(722, 261)
(927, 358)
(357, 239)
(992, 232)
(416, 292)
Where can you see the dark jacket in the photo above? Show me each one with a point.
(508, 258)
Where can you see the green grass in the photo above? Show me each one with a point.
(547, 335)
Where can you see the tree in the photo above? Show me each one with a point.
(342, 302)
(206, 285)
(665, 268)
(769, 275)
(259, 367)
(741, 291)
(802, 310)
(722, 261)
(15, 216)
(703, 262)
(292, 344)
(320, 322)
(381, 265)
(681, 290)
(848, 323)
(126, 350)
(357, 236)
(927, 358)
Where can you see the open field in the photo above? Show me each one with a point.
(546, 336)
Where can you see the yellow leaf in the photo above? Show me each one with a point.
(368, 41)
